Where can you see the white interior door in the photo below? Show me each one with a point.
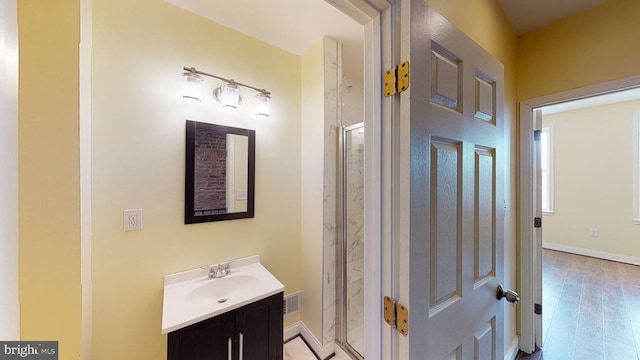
(451, 213)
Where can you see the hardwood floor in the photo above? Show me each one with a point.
(591, 309)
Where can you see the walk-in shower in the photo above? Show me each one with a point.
(350, 252)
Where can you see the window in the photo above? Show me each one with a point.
(636, 169)
(546, 169)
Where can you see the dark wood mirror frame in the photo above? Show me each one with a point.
(190, 189)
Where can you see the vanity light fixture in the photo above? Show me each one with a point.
(228, 94)
(264, 104)
(192, 86)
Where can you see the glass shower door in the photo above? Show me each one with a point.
(353, 238)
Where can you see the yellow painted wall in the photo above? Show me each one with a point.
(49, 190)
(312, 131)
(138, 119)
(591, 47)
(485, 23)
(593, 162)
(9, 305)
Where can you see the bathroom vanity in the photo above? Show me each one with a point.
(252, 332)
(237, 316)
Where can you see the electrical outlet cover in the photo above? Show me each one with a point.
(132, 220)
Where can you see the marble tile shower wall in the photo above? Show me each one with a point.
(330, 236)
(343, 106)
(355, 232)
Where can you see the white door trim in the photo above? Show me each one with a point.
(9, 244)
(373, 190)
(526, 185)
(364, 13)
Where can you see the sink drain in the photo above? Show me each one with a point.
(223, 300)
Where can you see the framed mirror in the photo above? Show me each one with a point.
(220, 173)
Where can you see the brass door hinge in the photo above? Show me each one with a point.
(396, 80)
(396, 315)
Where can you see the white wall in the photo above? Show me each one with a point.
(593, 156)
(9, 306)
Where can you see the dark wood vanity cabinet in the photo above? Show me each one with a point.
(252, 332)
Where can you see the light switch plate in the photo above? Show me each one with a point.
(132, 220)
(241, 195)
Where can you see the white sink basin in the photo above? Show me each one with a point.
(220, 290)
(189, 297)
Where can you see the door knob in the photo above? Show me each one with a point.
(510, 295)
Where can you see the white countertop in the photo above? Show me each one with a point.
(186, 294)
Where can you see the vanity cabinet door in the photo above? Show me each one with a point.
(259, 329)
(255, 331)
(208, 339)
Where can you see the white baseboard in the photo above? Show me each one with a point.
(592, 253)
(299, 328)
(292, 331)
(512, 352)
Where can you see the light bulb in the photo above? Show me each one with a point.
(263, 108)
(229, 96)
(192, 87)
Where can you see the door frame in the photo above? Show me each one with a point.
(9, 267)
(526, 184)
(371, 15)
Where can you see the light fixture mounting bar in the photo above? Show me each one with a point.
(231, 81)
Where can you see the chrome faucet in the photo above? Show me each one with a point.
(225, 269)
(212, 272)
(219, 270)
